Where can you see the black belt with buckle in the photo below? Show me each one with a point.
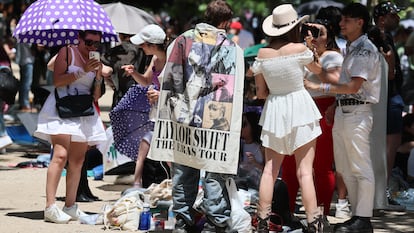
(345, 102)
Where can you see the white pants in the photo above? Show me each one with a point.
(351, 138)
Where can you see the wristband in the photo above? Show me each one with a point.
(327, 87)
(321, 87)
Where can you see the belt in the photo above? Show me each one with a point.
(345, 102)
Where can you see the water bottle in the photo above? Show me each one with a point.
(145, 218)
(169, 224)
(154, 107)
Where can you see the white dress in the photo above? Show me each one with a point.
(290, 117)
(83, 129)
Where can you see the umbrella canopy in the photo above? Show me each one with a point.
(312, 7)
(57, 22)
(130, 121)
(127, 19)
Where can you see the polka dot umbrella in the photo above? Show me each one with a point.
(57, 22)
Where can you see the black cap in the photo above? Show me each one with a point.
(385, 8)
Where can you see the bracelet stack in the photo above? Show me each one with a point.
(325, 87)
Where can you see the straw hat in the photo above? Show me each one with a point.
(282, 20)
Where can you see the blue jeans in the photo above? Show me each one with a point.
(395, 109)
(216, 203)
(26, 78)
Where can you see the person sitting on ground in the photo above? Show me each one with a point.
(252, 153)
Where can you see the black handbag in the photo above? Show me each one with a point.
(74, 105)
(9, 85)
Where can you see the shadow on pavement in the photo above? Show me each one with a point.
(389, 220)
(34, 215)
(114, 187)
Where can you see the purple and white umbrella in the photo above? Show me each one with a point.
(57, 22)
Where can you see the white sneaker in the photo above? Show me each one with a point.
(74, 212)
(5, 141)
(342, 211)
(55, 215)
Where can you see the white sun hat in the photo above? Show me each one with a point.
(283, 18)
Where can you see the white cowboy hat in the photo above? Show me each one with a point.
(282, 20)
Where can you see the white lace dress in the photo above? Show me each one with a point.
(290, 117)
(83, 129)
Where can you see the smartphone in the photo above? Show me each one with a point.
(94, 55)
(314, 30)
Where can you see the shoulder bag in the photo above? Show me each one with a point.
(9, 85)
(74, 105)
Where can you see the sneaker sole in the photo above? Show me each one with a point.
(58, 222)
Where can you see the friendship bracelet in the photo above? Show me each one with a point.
(325, 87)
(321, 86)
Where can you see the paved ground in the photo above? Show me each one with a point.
(22, 199)
(22, 195)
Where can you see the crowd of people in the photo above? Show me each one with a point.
(316, 83)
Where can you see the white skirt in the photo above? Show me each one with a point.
(289, 121)
(88, 129)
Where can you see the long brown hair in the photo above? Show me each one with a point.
(330, 34)
(291, 36)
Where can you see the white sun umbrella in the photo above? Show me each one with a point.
(127, 19)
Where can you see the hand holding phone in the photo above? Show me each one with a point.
(314, 31)
(94, 55)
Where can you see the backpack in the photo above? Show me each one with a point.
(154, 172)
(9, 85)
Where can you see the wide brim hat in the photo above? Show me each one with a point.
(283, 18)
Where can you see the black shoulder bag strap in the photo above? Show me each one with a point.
(67, 67)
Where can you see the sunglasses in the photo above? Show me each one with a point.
(93, 43)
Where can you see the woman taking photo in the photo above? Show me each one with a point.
(290, 118)
(331, 60)
(74, 73)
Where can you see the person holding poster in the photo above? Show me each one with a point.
(203, 78)
(290, 117)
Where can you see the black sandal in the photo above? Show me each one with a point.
(316, 226)
(262, 225)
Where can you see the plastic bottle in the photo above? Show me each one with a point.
(145, 218)
(169, 224)
(154, 107)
